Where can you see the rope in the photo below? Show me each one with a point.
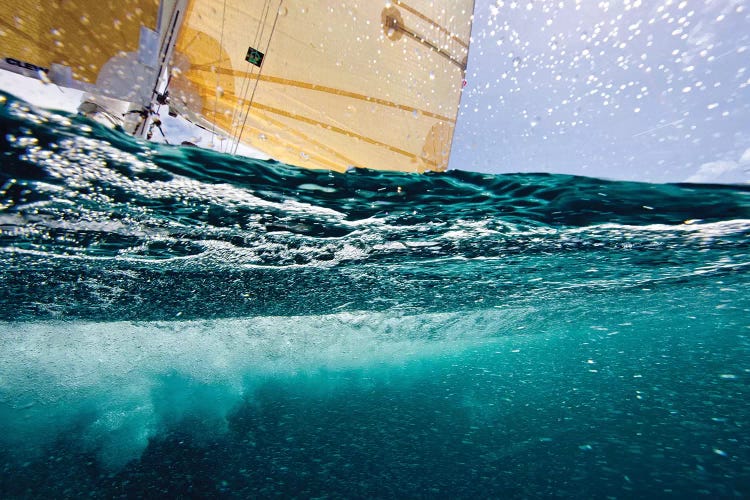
(246, 79)
(218, 58)
(257, 79)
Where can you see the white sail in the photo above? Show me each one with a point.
(327, 84)
(313, 83)
(106, 48)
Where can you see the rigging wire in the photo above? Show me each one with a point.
(218, 63)
(257, 79)
(262, 21)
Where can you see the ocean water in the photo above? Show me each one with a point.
(177, 322)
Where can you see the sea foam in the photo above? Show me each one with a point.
(114, 385)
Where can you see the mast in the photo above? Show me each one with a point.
(171, 15)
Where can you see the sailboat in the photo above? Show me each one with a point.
(319, 84)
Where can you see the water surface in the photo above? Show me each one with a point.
(175, 321)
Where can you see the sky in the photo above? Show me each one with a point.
(653, 90)
(644, 90)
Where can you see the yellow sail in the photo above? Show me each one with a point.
(362, 83)
(91, 45)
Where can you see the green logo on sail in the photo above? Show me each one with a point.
(254, 57)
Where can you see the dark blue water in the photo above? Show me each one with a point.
(177, 322)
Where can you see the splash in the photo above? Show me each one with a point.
(178, 321)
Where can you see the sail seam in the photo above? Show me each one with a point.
(339, 92)
(339, 130)
(419, 38)
(423, 17)
(334, 128)
(306, 138)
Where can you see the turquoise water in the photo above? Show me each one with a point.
(180, 322)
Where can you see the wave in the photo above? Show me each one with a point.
(117, 384)
(95, 224)
(179, 320)
(55, 158)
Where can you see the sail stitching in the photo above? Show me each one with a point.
(432, 22)
(340, 130)
(264, 109)
(305, 138)
(340, 92)
(430, 45)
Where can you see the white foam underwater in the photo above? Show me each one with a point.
(114, 385)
